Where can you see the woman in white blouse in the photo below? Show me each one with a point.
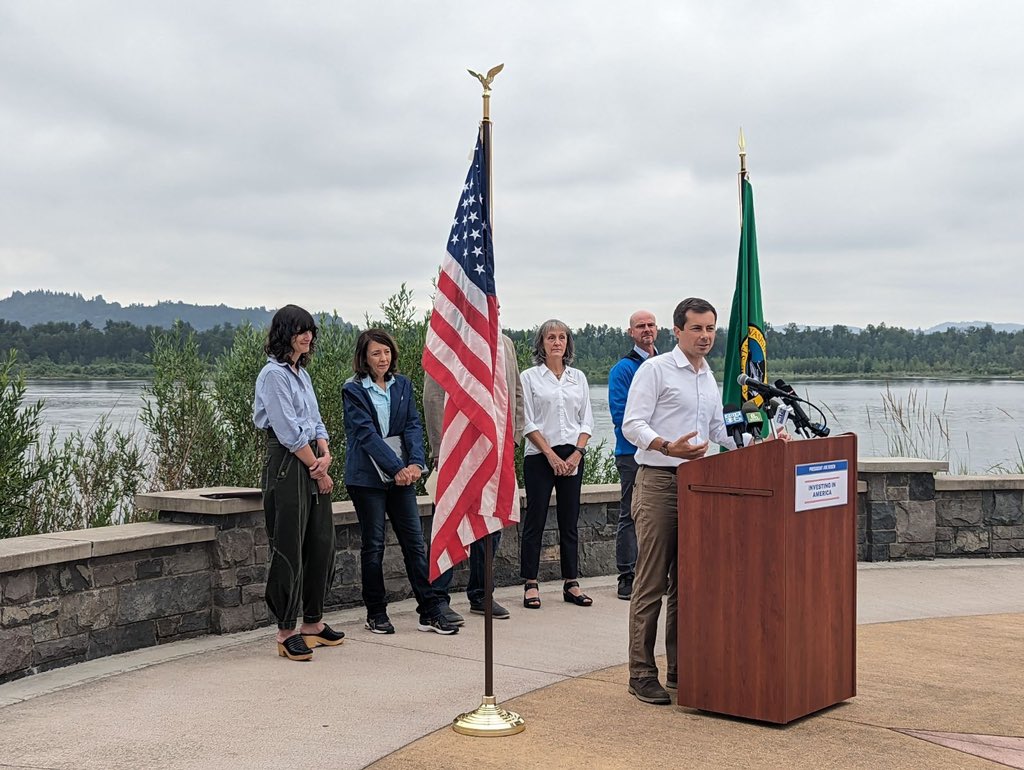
(556, 404)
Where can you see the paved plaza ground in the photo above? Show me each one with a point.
(940, 684)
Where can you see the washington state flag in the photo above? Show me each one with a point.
(746, 352)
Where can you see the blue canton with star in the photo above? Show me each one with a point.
(469, 241)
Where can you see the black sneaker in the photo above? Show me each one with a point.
(438, 624)
(671, 682)
(649, 690)
(380, 624)
(497, 611)
(625, 587)
(452, 616)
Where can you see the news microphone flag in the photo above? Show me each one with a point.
(476, 477)
(746, 349)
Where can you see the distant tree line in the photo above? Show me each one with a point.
(121, 349)
(35, 307)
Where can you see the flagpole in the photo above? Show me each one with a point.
(488, 719)
(743, 172)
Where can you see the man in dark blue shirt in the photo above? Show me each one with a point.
(643, 330)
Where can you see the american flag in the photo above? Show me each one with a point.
(476, 479)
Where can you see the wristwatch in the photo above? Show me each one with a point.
(664, 447)
(582, 450)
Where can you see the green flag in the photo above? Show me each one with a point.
(746, 352)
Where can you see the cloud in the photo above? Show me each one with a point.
(256, 154)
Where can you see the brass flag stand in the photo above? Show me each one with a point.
(488, 719)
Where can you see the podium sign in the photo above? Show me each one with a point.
(768, 579)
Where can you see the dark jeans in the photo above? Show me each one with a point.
(397, 503)
(300, 528)
(625, 532)
(539, 480)
(475, 587)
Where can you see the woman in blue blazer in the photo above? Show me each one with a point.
(380, 404)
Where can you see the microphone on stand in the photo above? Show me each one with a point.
(754, 420)
(764, 388)
(774, 407)
(800, 418)
(783, 413)
(734, 423)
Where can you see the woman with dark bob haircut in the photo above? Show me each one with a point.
(296, 487)
(383, 462)
(559, 422)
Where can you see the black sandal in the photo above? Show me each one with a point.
(531, 602)
(326, 638)
(580, 600)
(294, 648)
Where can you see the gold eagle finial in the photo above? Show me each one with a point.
(486, 80)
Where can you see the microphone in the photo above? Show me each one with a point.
(800, 418)
(763, 387)
(755, 422)
(734, 422)
(782, 415)
(773, 407)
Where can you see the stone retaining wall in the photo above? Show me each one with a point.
(910, 513)
(73, 596)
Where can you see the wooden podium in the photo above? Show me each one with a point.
(767, 581)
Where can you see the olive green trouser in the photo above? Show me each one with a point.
(300, 528)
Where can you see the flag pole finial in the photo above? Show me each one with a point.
(485, 81)
(743, 152)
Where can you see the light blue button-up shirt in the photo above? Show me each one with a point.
(381, 400)
(286, 403)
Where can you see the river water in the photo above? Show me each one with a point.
(984, 418)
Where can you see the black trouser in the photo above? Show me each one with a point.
(300, 527)
(625, 530)
(397, 503)
(539, 480)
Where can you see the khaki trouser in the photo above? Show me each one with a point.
(657, 532)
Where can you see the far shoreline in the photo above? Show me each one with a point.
(796, 377)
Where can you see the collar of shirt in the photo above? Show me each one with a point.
(684, 363)
(568, 374)
(369, 384)
(283, 364)
(643, 353)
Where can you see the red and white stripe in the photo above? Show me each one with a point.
(476, 484)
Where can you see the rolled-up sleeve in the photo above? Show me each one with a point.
(529, 409)
(433, 412)
(586, 415)
(319, 430)
(640, 403)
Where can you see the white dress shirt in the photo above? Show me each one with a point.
(558, 408)
(668, 398)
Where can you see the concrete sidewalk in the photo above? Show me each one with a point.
(230, 702)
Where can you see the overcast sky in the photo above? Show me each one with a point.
(258, 153)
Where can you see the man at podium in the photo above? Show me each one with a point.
(673, 408)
